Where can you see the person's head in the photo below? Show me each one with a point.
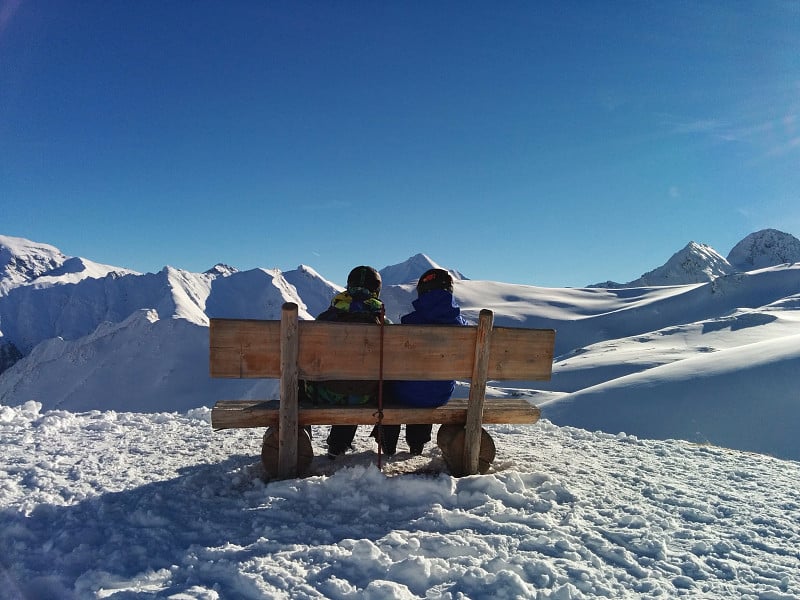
(364, 277)
(434, 279)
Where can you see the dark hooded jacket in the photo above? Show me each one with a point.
(434, 307)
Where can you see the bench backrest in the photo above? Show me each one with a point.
(249, 348)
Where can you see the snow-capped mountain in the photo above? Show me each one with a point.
(695, 263)
(22, 261)
(764, 248)
(699, 263)
(141, 340)
(316, 291)
(25, 262)
(410, 270)
(222, 269)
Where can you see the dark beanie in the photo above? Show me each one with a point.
(434, 279)
(365, 277)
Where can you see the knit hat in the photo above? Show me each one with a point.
(365, 277)
(434, 279)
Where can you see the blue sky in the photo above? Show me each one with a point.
(544, 143)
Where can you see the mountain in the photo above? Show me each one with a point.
(125, 340)
(764, 248)
(315, 290)
(695, 263)
(410, 270)
(699, 263)
(24, 262)
(222, 270)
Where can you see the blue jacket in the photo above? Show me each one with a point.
(435, 307)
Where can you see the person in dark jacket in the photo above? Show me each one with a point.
(359, 303)
(435, 304)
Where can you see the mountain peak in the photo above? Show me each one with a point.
(411, 270)
(22, 261)
(694, 263)
(222, 270)
(764, 248)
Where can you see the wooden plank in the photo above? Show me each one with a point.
(477, 393)
(244, 348)
(249, 349)
(228, 414)
(287, 428)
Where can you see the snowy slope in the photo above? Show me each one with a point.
(745, 397)
(143, 363)
(585, 316)
(607, 360)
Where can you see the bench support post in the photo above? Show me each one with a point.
(287, 427)
(477, 393)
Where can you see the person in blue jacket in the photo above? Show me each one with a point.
(435, 304)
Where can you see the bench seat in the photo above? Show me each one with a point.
(229, 414)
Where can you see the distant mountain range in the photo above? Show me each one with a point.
(78, 335)
(699, 263)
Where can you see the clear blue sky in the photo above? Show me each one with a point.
(545, 143)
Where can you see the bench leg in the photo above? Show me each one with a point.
(451, 440)
(269, 452)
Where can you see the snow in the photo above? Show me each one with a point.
(118, 504)
(681, 399)
(665, 465)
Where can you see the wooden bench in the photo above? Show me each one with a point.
(290, 350)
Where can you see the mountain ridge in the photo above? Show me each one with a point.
(699, 263)
(23, 262)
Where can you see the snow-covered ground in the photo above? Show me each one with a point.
(133, 505)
